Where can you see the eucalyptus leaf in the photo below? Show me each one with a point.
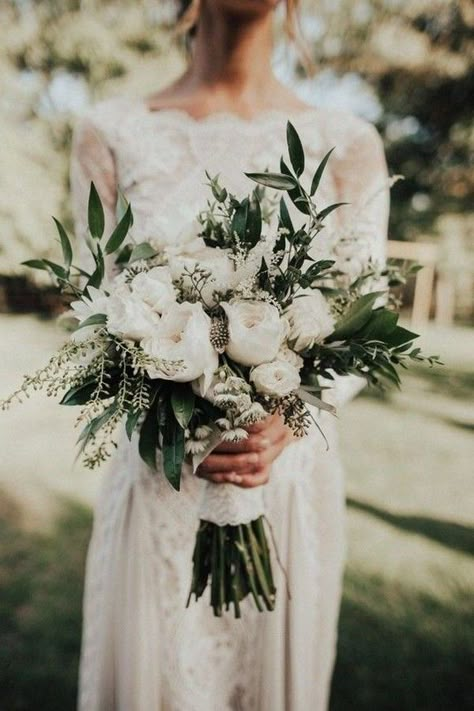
(148, 438)
(144, 250)
(274, 180)
(182, 403)
(94, 320)
(96, 218)
(319, 172)
(327, 210)
(296, 194)
(295, 148)
(173, 452)
(65, 243)
(35, 264)
(57, 269)
(120, 232)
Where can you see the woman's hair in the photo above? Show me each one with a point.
(188, 15)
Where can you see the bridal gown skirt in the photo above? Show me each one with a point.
(142, 650)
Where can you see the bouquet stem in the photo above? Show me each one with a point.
(236, 561)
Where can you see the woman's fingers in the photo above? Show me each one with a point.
(253, 443)
(214, 463)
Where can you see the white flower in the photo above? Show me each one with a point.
(129, 316)
(155, 288)
(235, 435)
(353, 256)
(212, 260)
(183, 335)
(310, 320)
(276, 379)
(94, 303)
(290, 356)
(255, 331)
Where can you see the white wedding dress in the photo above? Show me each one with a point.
(142, 650)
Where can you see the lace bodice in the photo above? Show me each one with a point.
(159, 159)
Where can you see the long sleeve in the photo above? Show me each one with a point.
(362, 179)
(91, 161)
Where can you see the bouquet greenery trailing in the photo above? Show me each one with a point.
(190, 345)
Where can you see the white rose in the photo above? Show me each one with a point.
(183, 334)
(214, 261)
(290, 356)
(255, 331)
(155, 288)
(276, 379)
(129, 316)
(310, 320)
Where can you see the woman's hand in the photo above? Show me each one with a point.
(247, 463)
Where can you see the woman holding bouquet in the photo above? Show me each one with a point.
(142, 650)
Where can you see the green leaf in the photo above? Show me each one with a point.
(35, 264)
(356, 317)
(144, 250)
(182, 403)
(131, 422)
(93, 320)
(381, 324)
(239, 219)
(319, 173)
(295, 149)
(274, 180)
(254, 221)
(81, 394)
(327, 210)
(57, 269)
(96, 217)
(124, 255)
(148, 439)
(120, 232)
(65, 243)
(121, 206)
(285, 219)
(296, 195)
(173, 452)
(98, 274)
(94, 425)
(400, 336)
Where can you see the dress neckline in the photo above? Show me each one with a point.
(221, 117)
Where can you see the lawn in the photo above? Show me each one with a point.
(405, 640)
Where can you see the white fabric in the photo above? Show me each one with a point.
(141, 649)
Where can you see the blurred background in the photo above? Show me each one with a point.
(406, 631)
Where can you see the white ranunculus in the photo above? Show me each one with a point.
(290, 356)
(129, 316)
(255, 331)
(183, 335)
(277, 379)
(155, 288)
(310, 320)
(214, 261)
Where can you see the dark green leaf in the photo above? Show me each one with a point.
(254, 221)
(120, 232)
(400, 336)
(148, 439)
(327, 210)
(356, 317)
(144, 250)
(296, 195)
(35, 264)
(121, 206)
(131, 422)
(273, 180)
(173, 452)
(81, 394)
(65, 243)
(182, 403)
(295, 149)
(381, 324)
(319, 173)
(97, 276)
(124, 255)
(239, 220)
(57, 269)
(96, 217)
(285, 219)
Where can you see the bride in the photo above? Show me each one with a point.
(142, 650)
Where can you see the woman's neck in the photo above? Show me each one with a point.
(232, 60)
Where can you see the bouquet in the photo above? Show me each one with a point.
(190, 345)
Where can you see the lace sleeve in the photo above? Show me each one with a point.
(361, 177)
(91, 161)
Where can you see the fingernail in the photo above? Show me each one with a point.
(234, 478)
